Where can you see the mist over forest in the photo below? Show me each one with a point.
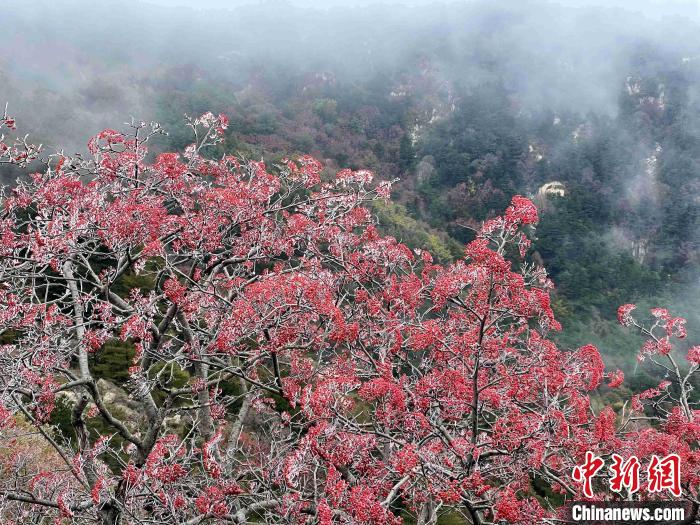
(351, 262)
(590, 108)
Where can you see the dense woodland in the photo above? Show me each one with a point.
(466, 114)
(467, 105)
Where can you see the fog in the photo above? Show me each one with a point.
(565, 55)
(70, 68)
(648, 7)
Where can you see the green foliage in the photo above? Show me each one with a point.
(395, 221)
(62, 425)
(112, 361)
(8, 336)
(326, 109)
(61, 418)
(542, 490)
(169, 376)
(484, 143)
(130, 280)
(586, 265)
(407, 154)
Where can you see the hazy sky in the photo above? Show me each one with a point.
(85, 62)
(650, 7)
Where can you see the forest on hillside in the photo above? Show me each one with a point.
(467, 104)
(591, 112)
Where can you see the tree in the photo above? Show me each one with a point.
(332, 375)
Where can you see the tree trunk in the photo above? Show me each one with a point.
(428, 513)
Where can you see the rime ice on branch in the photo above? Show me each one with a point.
(333, 375)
